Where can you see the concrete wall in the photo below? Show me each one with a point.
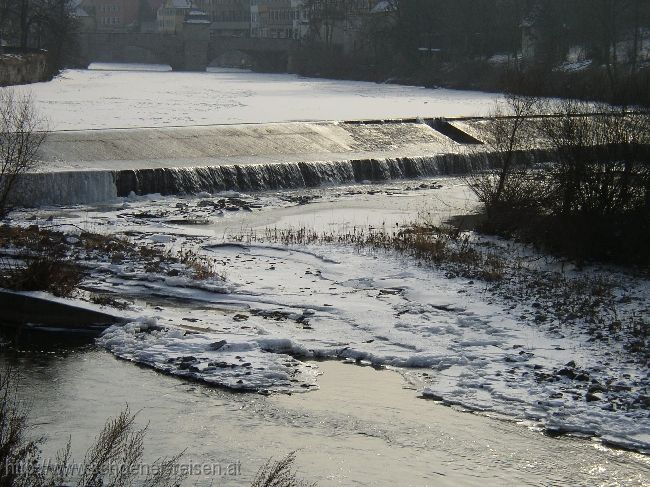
(252, 143)
(16, 69)
(23, 309)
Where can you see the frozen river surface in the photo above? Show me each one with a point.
(100, 99)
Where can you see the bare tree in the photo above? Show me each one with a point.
(327, 16)
(507, 135)
(21, 135)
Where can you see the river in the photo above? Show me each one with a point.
(362, 426)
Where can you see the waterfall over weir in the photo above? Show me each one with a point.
(64, 188)
(84, 167)
(260, 177)
(92, 186)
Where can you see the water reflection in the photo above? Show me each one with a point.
(361, 428)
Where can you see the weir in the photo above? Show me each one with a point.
(259, 177)
(83, 167)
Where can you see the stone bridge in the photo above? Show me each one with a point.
(262, 54)
(191, 50)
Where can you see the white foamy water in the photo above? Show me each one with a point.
(93, 99)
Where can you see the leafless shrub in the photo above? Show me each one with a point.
(21, 134)
(279, 474)
(108, 463)
(43, 273)
(118, 449)
(16, 448)
(508, 137)
(601, 157)
(591, 200)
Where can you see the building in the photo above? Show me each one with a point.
(230, 18)
(278, 19)
(342, 26)
(115, 15)
(148, 15)
(86, 22)
(171, 15)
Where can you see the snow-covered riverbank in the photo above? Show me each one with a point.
(485, 346)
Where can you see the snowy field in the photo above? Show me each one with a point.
(458, 340)
(94, 99)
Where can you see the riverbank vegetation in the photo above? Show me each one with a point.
(110, 461)
(36, 258)
(587, 301)
(585, 193)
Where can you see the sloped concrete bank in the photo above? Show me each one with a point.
(45, 313)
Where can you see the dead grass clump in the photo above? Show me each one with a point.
(203, 267)
(52, 274)
(52, 258)
(33, 238)
(107, 300)
(493, 268)
(112, 460)
(107, 244)
(279, 474)
(443, 245)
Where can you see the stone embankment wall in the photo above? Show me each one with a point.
(17, 69)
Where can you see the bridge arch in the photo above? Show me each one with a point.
(141, 55)
(234, 58)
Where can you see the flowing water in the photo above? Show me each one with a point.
(363, 427)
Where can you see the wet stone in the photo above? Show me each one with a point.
(217, 345)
